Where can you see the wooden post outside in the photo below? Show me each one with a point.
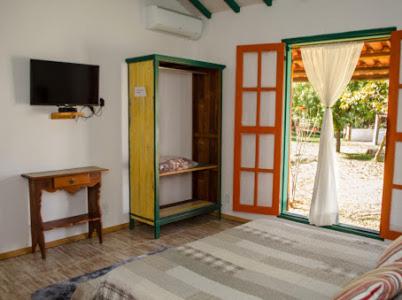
(348, 136)
(376, 131)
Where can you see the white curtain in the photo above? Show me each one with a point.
(329, 69)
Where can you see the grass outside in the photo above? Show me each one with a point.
(311, 139)
(362, 156)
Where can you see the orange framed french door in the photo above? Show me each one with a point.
(258, 128)
(391, 220)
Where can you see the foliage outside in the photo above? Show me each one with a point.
(357, 106)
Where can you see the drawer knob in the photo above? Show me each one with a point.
(71, 181)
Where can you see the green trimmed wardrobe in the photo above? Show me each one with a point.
(204, 126)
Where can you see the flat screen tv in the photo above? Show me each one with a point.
(64, 84)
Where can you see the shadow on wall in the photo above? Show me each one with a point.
(21, 78)
(124, 135)
(14, 212)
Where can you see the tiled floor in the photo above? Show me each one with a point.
(21, 276)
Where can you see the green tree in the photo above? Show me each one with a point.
(306, 104)
(364, 99)
(357, 106)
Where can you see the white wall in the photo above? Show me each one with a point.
(366, 134)
(285, 19)
(99, 32)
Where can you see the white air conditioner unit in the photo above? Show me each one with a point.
(165, 20)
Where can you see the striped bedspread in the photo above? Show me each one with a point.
(262, 259)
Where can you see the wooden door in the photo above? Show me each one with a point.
(391, 216)
(258, 128)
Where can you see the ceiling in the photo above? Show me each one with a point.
(373, 62)
(214, 6)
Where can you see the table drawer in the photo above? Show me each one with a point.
(66, 181)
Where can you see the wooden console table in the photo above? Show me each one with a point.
(70, 180)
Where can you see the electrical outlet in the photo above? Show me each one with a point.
(226, 201)
(227, 198)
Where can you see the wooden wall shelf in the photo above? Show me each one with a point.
(65, 115)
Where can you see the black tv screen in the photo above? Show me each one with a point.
(59, 83)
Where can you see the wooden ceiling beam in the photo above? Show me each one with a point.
(355, 77)
(268, 2)
(358, 69)
(233, 5)
(374, 62)
(201, 8)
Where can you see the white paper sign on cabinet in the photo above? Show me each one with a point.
(140, 91)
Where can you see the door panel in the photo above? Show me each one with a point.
(258, 128)
(268, 68)
(247, 188)
(398, 162)
(266, 152)
(248, 150)
(398, 39)
(391, 216)
(396, 206)
(250, 76)
(399, 120)
(265, 184)
(267, 105)
(249, 107)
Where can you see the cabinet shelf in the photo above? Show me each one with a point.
(180, 210)
(202, 167)
(183, 206)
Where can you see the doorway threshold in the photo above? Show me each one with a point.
(339, 227)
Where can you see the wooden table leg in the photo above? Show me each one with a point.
(34, 235)
(94, 211)
(35, 198)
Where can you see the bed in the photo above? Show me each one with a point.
(263, 259)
